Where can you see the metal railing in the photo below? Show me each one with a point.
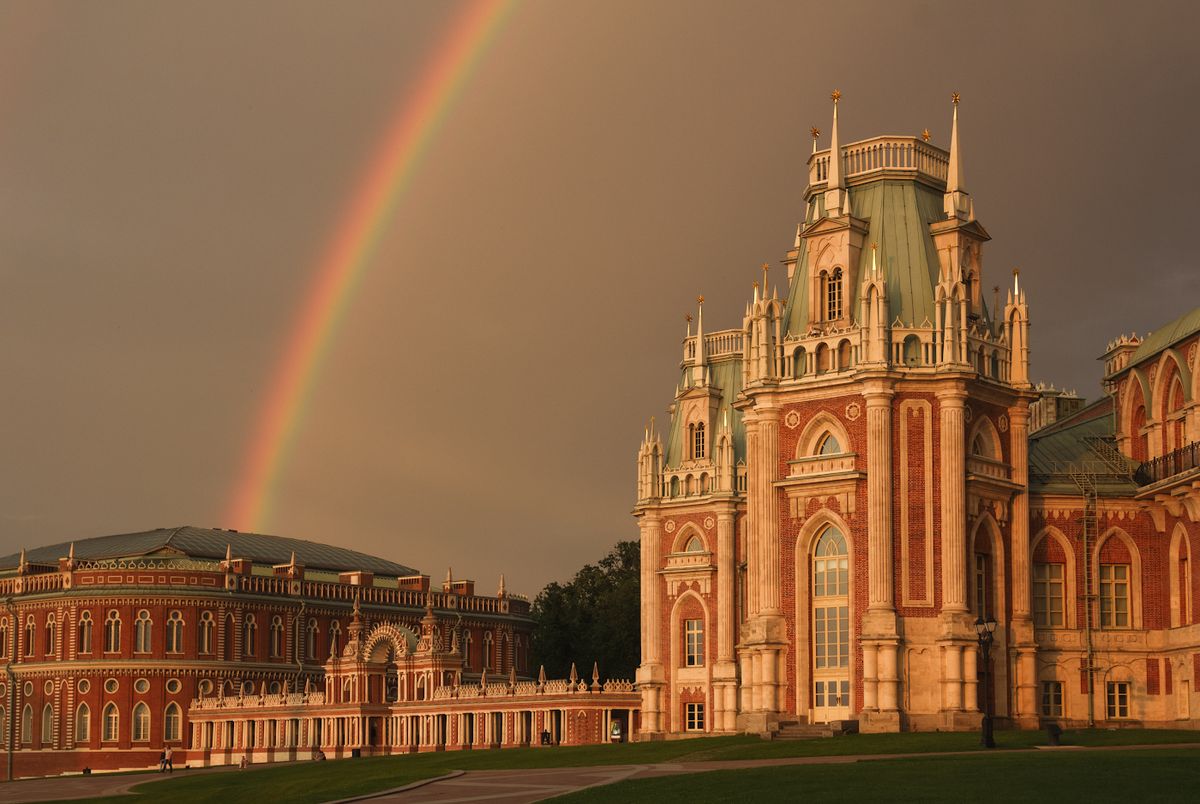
(1175, 462)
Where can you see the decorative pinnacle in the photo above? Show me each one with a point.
(816, 132)
(954, 98)
(687, 317)
(756, 284)
(700, 300)
(837, 95)
(925, 135)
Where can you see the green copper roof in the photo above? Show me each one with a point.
(1167, 335)
(1055, 450)
(726, 379)
(210, 543)
(898, 214)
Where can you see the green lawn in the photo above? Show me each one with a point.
(1155, 775)
(315, 782)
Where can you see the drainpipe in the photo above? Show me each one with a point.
(12, 685)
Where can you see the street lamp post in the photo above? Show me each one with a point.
(984, 630)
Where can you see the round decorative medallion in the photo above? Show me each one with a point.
(792, 419)
(670, 526)
(1002, 423)
(853, 411)
(968, 414)
(708, 523)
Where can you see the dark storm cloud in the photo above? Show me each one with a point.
(170, 173)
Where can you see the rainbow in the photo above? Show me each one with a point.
(350, 252)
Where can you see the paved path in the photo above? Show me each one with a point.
(53, 788)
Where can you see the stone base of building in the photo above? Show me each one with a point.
(876, 722)
(758, 722)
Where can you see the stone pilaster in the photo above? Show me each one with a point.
(954, 505)
(1022, 624)
(725, 671)
(650, 675)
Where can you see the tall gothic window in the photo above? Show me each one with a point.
(171, 722)
(335, 635)
(141, 632)
(983, 607)
(4, 638)
(831, 625)
(831, 294)
(249, 634)
(487, 651)
(111, 721)
(112, 633)
(85, 632)
(27, 724)
(30, 631)
(276, 637)
(205, 633)
(698, 441)
(141, 722)
(50, 628)
(311, 642)
(175, 633)
(47, 726)
(83, 723)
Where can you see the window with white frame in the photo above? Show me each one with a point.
(694, 716)
(30, 632)
(112, 632)
(1114, 595)
(85, 632)
(1052, 699)
(141, 722)
(983, 572)
(694, 642)
(276, 637)
(205, 633)
(50, 633)
(47, 726)
(1118, 699)
(335, 634)
(171, 722)
(1048, 595)
(111, 721)
(311, 642)
(142, 632)
(83, 722)
(249, 635)
(487, 650)
(175, 632)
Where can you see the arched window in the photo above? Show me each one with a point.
(845, 356)
(141, 722)
(829, 445)
(487, 650)
(47, 726)
(27, 724)
(912, 351)
(276, 637)
(175, 633)
(50, 633)
(205, 633)
(85, 632)
(981, 446)
(249, 634)
(698, 441)
(4, 637)
(112, 632)
(141, 632)
(111, 721)
(831, 625)
(799, 363)
(833, 295)
(823, 359)
(335, 636)
(311, 642)
(30, 631)
(227, 638)
(694, 545)
(467, 643)
(83, 723)
(171, 723)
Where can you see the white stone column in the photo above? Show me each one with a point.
(650, 674)
(953, 508)
(880, 560)
(953, 658)
(1022, 625)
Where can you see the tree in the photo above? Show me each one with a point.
(594, 618)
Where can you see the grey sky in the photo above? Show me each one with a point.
(170, 174)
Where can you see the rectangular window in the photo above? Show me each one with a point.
(831, 636)
(695, 717)
(694, 631)
(1048, 595)
(1114, 595)
(1118, 699)
(1052, 699)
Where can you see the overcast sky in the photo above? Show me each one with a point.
(170, 174)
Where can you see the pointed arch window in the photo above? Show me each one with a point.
(112, 632)
(249, 634)
(335, 637)
(310, 642)
(141, 722)
(831, 624)
(831, 294)
(142, 632)
(205, 633)
(112, 720)
(487, 651)
(694, 545)
(51, 628)
(175, 632)
(171, 722)
(467, 643)
(85, 632)
(4, 638)
(83, 723)
(30, 632)
(27, 724)
(47, 726)
(276, 637)
(698, 441)
(829, 445)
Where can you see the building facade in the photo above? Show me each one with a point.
(849, 483)
(108, 642)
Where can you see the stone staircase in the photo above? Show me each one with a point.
(795, 730)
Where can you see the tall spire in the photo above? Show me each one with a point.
(836, 197)
(956, 202)
(699, 361)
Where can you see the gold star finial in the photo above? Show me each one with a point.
(766, 266)
(874, 246)
(925, 135)
(687, 317)
(954, 98)
(756, 284)
(816, 132)
(837, 95)
(699, 300)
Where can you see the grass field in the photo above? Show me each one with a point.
(1148, 775)
(315, 782)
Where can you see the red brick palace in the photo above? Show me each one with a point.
(860, 476)
(114, 647)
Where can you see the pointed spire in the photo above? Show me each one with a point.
(835, 153)
(542, 674)
(22, 565)
(502, 592)
(874, 264)
(228, 552)
(357, 611)
(699, 361)
(954, 179)
(71, 552)
(483, 678)
(292, 562)
(574, 674)
(512, 675)
(1017, 283)
(765, 267)
(595, 674)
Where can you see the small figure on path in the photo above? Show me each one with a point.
(167, 759)
(162, 761)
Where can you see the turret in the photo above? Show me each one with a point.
(876, 343)
(1016, 332)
